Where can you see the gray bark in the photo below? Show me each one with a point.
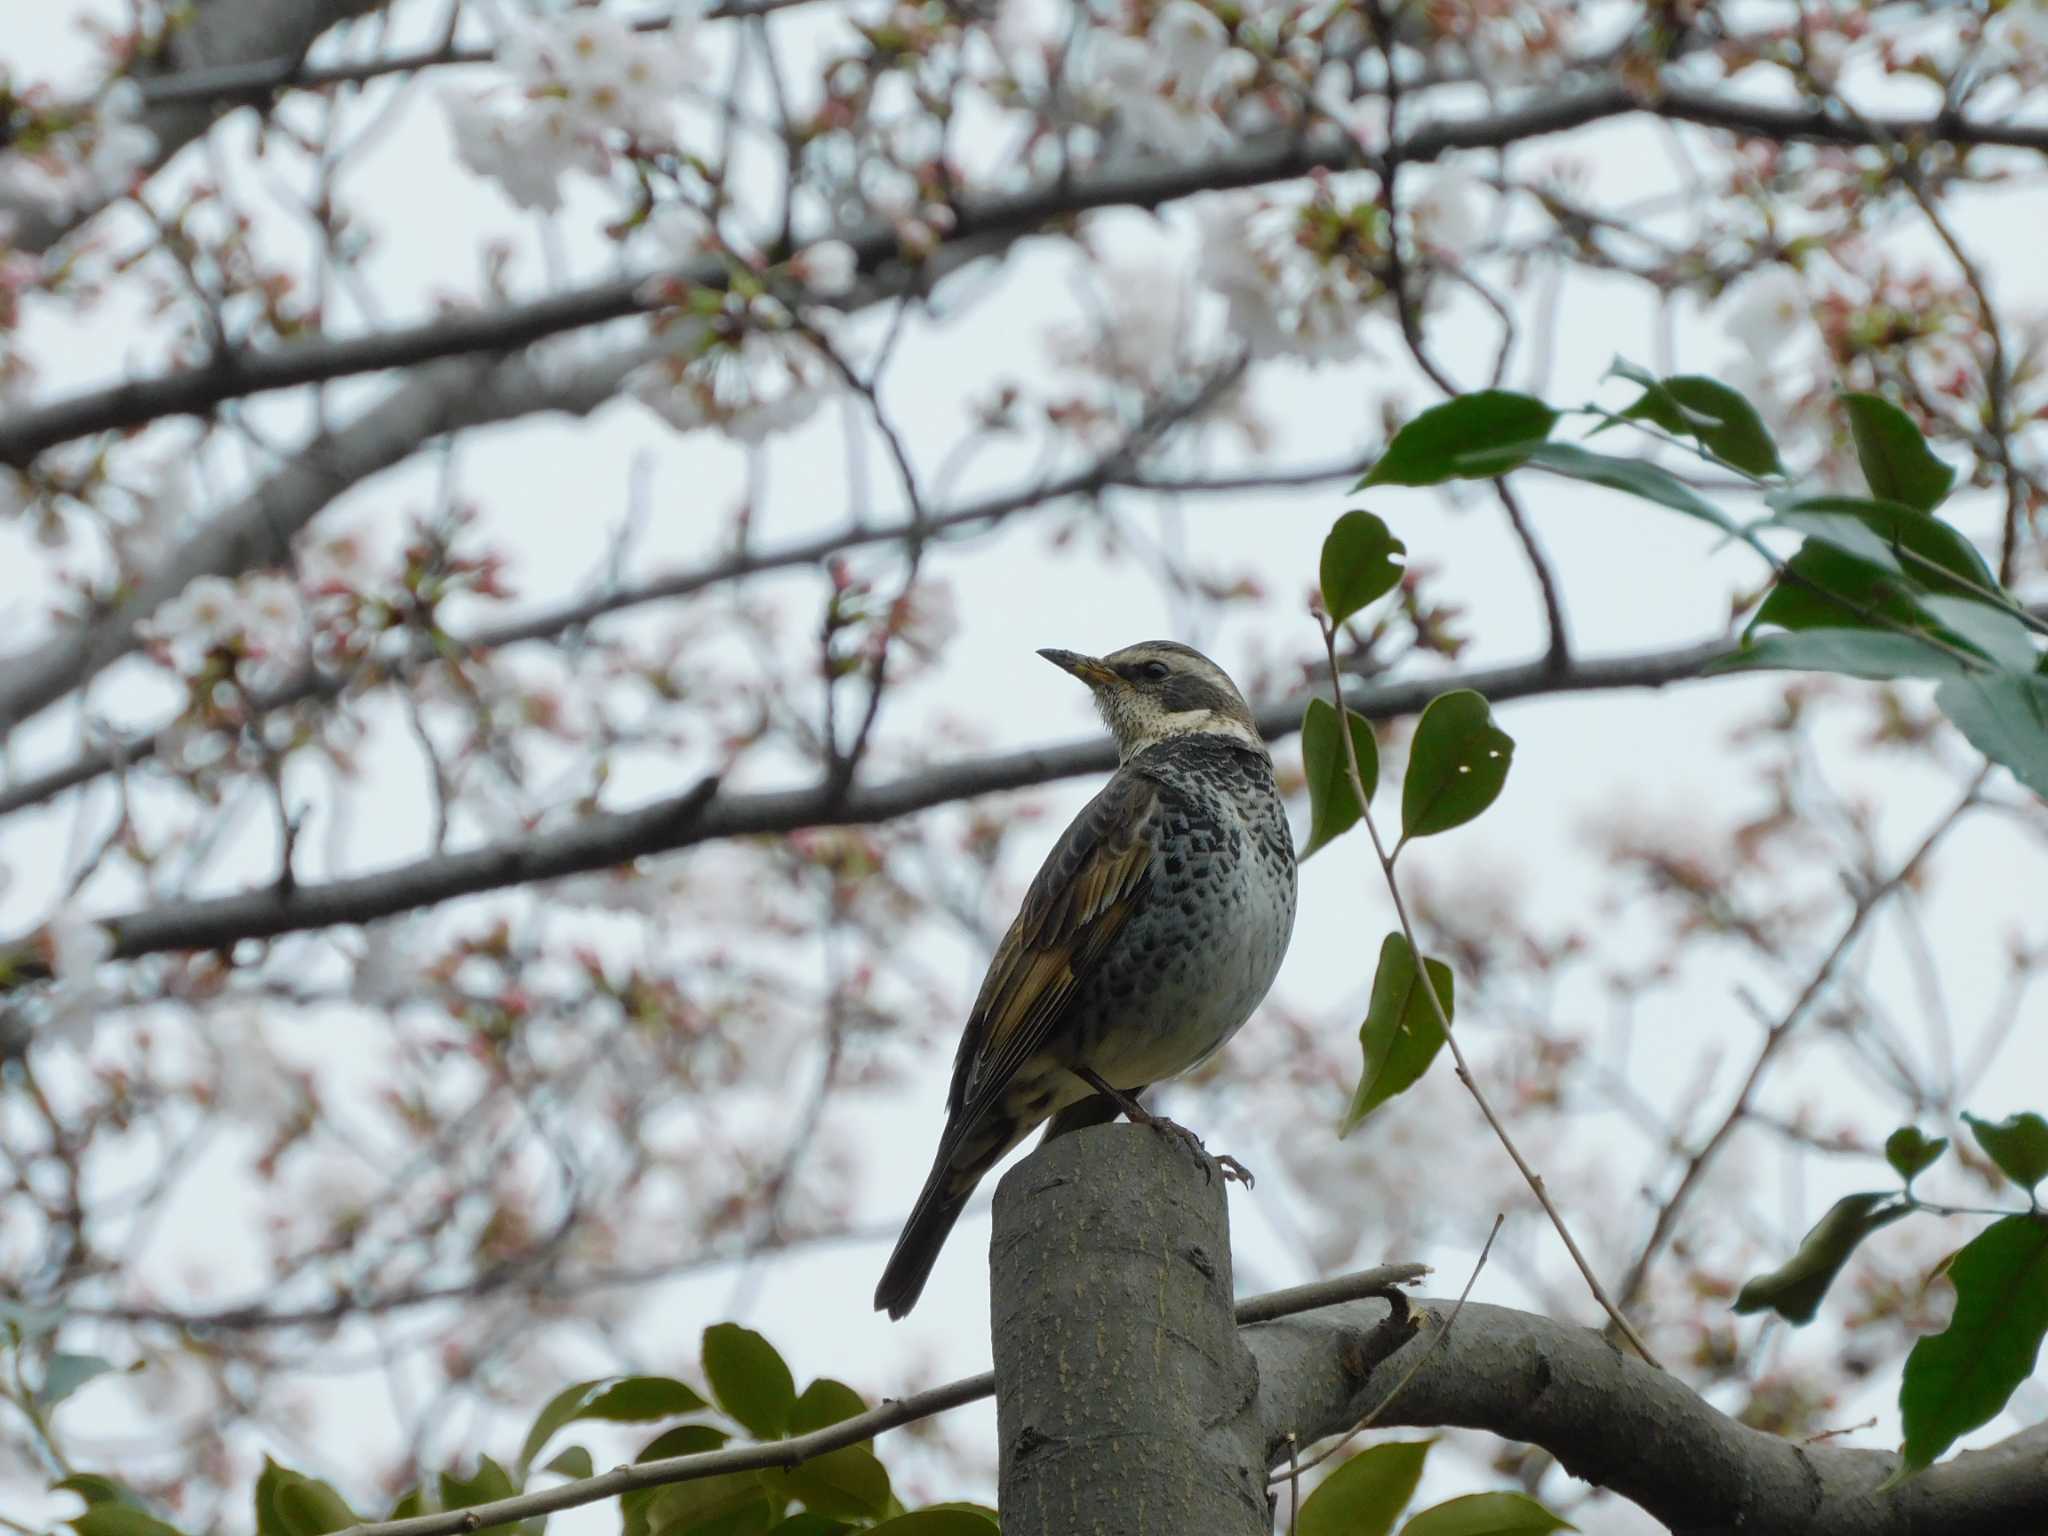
(1126, 1405)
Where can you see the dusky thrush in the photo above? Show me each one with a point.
(1153, 930)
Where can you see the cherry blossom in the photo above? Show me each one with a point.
(1767, 311)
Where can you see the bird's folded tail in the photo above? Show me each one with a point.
(955, 1172)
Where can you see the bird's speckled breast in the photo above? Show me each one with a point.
(1207, 940)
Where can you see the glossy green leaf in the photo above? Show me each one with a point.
(1876, 654)
(614, 1399)
(1362, 562)
(1895, 457)
(1632, 477)
(1963, 1376)
(846, 1483)
(1824, 587)
(2018, 1144)
(119, 1520)
(749, 1380)
(1365, 1496)
(1911, 1153)
(1996, 633)
(1794, 1289)
(805, 1523)
(1401, 1035)
(66, 1373)
(1332, 800)
(1477, 435)
(1457, 764)
(825, 1402)
(1487, 1514)
(949, 1521)
(1718, 418)
(2004, 715)
(1892, 536)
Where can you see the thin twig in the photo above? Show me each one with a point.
(1465, 1076)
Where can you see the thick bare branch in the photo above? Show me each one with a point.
(984, 225)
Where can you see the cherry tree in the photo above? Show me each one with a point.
(528, 525)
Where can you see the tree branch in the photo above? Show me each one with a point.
(701, 815)
(991, 222)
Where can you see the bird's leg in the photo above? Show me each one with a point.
(1139, 1115)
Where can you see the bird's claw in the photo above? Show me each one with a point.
(1233, 1171)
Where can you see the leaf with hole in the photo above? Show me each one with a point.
(1963, 1376)
(1365, 1496)
(1718, 418)
(2018, 1144)
(1401, 1035)
(1332, 799)
(1793, 1290)
(749, 1380)
(1896, 460)
(1912, 1153)
(1457, 764)
(1479, 435)
(2005, 716)
(1487, 1514)
(1362, 562)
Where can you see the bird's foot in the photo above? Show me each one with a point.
(1212, 1162)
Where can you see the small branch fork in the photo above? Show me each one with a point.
(1534, 1179)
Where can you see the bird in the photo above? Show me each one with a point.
(1155, 927)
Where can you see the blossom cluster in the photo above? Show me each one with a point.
(577, 85)
(81, 163)
(259, 619)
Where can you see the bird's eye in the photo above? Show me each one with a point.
(1155, 671)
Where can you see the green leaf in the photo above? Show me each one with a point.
(1362, 562)
(1869, 653)
(1487, 1514)
(1708, 411)
(1366, 1495)
(2018, 1144)
(1332, 801)
(847, 1483)
(825, 1402)
(615, 1399)
(749, 1380)
(1910, 1153)
(572, 1461)
(683, 1440)
(489, 1483)
(1794, 1289)
(289, 1503)
(110, 1519)
(412, 1502)
(1477, 435)
(66, 1373)
(730, 1504)
(1895, 457)
(805, 1523)
(1892, 536)
(951, 1520)
(1401, 1035)
(1456, 764)
(1632, 477)
(95, 1488)
(1994, 631)
(1823, 587)
(2004, 716)
(1962, 1377)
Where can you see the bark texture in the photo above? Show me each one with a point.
(1127, 1405)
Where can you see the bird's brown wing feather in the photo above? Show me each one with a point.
(1087, 889)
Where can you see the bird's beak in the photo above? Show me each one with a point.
(1086, 668)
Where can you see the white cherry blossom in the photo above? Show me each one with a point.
(1766, 311)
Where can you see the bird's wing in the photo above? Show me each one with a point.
(1089, 886)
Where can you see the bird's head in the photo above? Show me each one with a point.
(1156, 689)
